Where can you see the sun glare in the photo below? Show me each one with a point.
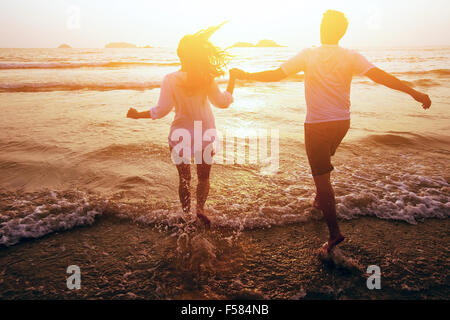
(292, 23)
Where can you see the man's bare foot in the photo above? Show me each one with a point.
(203, 218)
(316, 204)
(331, 244)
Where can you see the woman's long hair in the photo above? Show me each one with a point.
(201, 60)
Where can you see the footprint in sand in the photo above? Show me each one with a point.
(340, 260)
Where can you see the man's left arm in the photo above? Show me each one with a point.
(379, 76)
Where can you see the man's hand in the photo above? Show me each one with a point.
(237, 74)
(423, 98)
(133, 113)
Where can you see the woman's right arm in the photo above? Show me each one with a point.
(163, 108)
(134, 114)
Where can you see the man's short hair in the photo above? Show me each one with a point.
(334, 26)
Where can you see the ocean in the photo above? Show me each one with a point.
(67, 149)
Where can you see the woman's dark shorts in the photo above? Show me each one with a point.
(321, 142)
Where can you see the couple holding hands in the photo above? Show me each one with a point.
(328, 75)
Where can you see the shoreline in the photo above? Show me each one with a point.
(120, 259)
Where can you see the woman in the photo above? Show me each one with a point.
(188, 90)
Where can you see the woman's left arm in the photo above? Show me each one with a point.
(220, 99)
(231, 82)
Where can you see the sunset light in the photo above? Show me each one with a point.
(224, 158)
(378, 23)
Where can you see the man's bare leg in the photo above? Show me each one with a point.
(316, 203)
(327, 203)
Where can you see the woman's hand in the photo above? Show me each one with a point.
(133, 113)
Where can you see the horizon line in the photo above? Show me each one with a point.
(274, 47)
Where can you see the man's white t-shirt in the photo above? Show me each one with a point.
(329, 70)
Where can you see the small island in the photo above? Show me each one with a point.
(243, 45)
(114, 45)
(260, 44)
(64, 46)
(268, 44)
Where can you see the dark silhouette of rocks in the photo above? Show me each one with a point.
(260, 44)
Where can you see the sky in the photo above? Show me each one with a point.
(93, 23)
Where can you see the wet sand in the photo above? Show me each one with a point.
(120, 259)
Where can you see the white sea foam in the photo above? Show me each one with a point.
(60, 215)
(401, 197)
(404, 197)
(414, 198)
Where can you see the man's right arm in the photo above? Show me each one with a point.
(264, 76)
(379, 76)
(290, 67)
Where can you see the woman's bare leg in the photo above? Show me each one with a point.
(203, 171)
(184, 172)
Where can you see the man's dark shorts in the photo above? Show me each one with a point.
(321, 142)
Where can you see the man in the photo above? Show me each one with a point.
(328, 74)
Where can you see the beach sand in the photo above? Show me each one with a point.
(120, 259)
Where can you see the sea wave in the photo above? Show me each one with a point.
(406, 139)
(398, 197)
(146, 85)
(75, 65)
(36, 215)
(435, 72)
(425, 83)
(61, 86)
(29, 146)
(124, 151)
